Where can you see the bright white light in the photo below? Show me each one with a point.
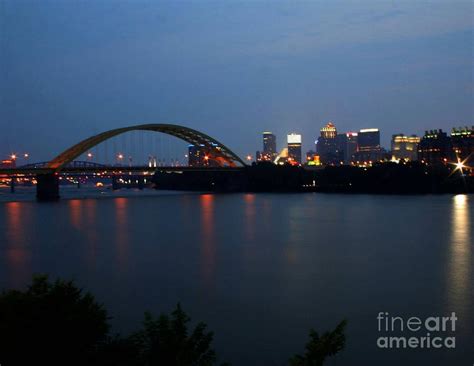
(460, 199)
(294, 138)
(369, 130)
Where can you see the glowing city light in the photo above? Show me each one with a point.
(460, 165)
(26, 155)
(249, 157)
(13, 156)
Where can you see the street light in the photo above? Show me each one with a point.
(119, 158)
(13, 156)
(460, 165)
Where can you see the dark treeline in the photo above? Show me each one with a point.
(386, 178)
(393, 178)
(57, 323)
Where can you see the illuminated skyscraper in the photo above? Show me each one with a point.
(329, 131)
(269, 143)
(369, 140)
(368, 146)
(269, 148)
(463, 143)
(294, 147)
(196, 155)
(435, 148)
(351, 146)
(405, 147)
(326, 145)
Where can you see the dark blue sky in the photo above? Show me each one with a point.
(231, 69)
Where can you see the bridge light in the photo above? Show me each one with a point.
(249, 157)
(89, 155)
(26, 155)
(13, 156)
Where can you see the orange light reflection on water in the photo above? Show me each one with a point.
(208, 249)
(18, 253)
(122, 232)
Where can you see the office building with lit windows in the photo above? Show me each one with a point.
(294, 148)
(405, 147)
(326, 145)
(269, 151)
(199, 156)
(462, 139)
(368, 146)
(435, 147)
(350, 147)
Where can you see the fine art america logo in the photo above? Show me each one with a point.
(415, 332)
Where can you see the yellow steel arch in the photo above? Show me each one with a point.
(219, 152)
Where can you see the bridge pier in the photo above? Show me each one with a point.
(12, 185)
(47, 187)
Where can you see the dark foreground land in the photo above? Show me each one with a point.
(386, 178)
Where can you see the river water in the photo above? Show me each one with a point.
(259, 269)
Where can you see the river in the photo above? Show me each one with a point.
(259, 269)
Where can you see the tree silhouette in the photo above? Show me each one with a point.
(166, 341)
(321, 347)
(56, 323)
(52, 323)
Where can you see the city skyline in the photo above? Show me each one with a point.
(68, 72)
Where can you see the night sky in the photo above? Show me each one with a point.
(69, 69)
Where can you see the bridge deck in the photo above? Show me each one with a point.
(107, 169)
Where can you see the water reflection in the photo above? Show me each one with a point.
(122, 232)
(249, 229)
(208, 241)
(90, 231)
(459, 285)
(75, 212)
(18, 254)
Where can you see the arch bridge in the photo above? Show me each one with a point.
(217, 151)
(48, 185)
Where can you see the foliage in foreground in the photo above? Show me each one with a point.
(52, 322)
(57, 323)
(320, 347)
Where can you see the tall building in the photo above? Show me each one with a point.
(199, 155)
(196, 155)
(329, 131)
(269, 152)
(294, 147)
(269, 143)
(462, 139)
(326, 145)
(368, 139)
(405, 147)
(435, 147)
(368, 146)
(351, 147)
